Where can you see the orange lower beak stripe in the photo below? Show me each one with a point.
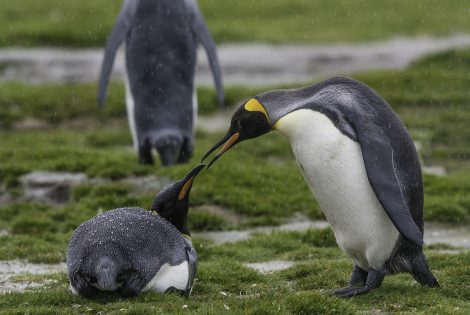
(229, 143)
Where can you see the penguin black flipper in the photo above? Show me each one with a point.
(133, 285)
(378, 159)
(203, 35)
(192, 267)
(83, 287)
(118, 35)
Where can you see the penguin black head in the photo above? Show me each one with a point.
(172, 202)
(251, 120)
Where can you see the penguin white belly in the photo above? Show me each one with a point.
(195, 107)
(333, 166)
(169, 276)
(130, 104)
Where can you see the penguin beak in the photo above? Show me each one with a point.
(188, 181)
(228, 141)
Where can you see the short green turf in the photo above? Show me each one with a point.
(99, 144)
(85, 23)
(257, 183)
(224, 283)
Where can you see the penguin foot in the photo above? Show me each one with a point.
(358, 277)
(351, 291)
(184, 157)
(374, 281)
(82, 286)
(145, 154)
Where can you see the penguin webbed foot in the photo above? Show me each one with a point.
(173, 290)
(83, 287)
(145, 154)
(186, 153)
(374, 281)
(358, 277)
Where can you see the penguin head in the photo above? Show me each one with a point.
(251, 120)
(172, 202)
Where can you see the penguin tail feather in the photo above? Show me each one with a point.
(106, 273)
(420, 271)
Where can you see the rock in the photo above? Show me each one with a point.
(5, 197)
(147, 184)
(271, 266)
(50, 187)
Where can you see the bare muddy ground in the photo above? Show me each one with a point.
(433, 233)
(243, 64)
(10, 269)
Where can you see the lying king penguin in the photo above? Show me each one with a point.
(132, 250)
(362, 168)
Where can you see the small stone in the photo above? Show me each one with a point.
(146, 184)
(271, 266)
(50, 187)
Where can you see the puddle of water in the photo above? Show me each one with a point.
(434, 170)
(252, 64)
(271, 266)
(299, 223)
(17, 267)
(444, 234)
(9, 269)
(9, 287)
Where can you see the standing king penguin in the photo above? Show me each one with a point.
(362, 167)
(161, 48)
(132, 250)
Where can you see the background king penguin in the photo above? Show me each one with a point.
(161, 39)
(361, 166)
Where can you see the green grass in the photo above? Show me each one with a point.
(258, 182)
(264, 189)
(431, 97)
(76, 23)
(302, 289)
(58, 103)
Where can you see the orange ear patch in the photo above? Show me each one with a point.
(185, 189)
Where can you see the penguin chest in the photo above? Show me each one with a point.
(130, 105)
(334, 169)
(169, 276)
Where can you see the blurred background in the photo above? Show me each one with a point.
(63, 160)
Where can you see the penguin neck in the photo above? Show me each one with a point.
(181, 224)
(179, 219)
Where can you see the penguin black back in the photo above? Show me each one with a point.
(125, 249)
(161, 49)
(360, 163)
(136, 240)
